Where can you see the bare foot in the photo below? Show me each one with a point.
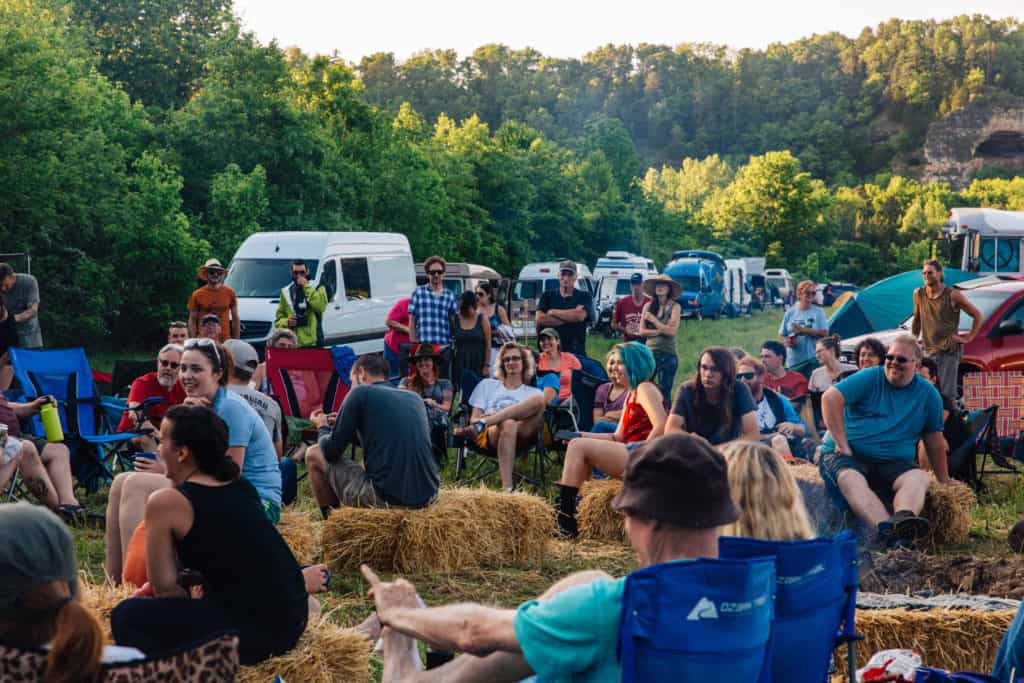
(315, 577)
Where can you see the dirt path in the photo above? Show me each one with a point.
(915, 573)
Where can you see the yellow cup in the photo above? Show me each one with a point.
(51, 423)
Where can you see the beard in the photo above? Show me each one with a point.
(166, 381)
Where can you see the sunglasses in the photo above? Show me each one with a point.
(893, 358)
(206, 345)
(506, 359)
(436, 272)
(168, 364)
(744, 375)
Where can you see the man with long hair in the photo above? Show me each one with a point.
(713, 404)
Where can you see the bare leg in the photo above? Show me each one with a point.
(508, 431)
(7, 471)
(863, 501)
(521, 411)
(317, 466)
(6, 375)
(33, 473)
(910, 488)
(57, 460)
(114, 550)
(134, 493)
(583, 455)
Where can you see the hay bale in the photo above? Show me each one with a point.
(826, 518)
(957, 640)
(464, 528)
(948, 507)
(301, 534)
(325, 653)
(101, 599)
(595, 516)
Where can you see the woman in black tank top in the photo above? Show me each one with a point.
(213, 524)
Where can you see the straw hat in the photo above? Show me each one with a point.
(210, 263)
(675, 289)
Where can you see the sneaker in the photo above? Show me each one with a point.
(908, 526)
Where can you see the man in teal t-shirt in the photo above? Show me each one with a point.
(875, 419)
(675, 494)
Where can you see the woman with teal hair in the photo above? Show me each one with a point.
(643, 417)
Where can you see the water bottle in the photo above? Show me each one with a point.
(51, 423)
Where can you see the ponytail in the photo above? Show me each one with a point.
(204, 433)
(77, 645)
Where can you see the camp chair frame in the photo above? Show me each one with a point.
(66, 375)
(280, 362)
(985, 439)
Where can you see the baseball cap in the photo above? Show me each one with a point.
(549, 332)
(35, 548)
(209, 318)
(243, 354)
(567, 265)
(636, 279)
(679, 479)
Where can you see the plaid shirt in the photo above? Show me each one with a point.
(433, 314)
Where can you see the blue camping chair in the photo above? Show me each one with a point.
(815, 601)
(65, 374)
(696, 621)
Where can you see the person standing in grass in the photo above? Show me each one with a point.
(802, 325)
(658, 324)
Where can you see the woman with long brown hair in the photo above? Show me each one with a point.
(713, 404)
(39, 606)
(436, 393)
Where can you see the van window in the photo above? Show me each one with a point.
(329, 278)
(389, 275)
(526, 289)
(356, 276)
(263, 277)
(622, 287)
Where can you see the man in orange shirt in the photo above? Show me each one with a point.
(216, 298)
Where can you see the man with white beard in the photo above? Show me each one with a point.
(163, 384)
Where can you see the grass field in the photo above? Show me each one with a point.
(507, 586)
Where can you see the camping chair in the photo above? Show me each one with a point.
(815, 601)
(488, 463)
(700, 620)
(65, 375)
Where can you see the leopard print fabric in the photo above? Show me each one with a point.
(215, 661)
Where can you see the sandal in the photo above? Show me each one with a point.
(79, 515)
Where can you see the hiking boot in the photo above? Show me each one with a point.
(907, 526)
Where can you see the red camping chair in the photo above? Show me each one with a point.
(305, 380)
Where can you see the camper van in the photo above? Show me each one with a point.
(991, 239)
(782, 282)
(736, 291)
(612, 274)
(535, 279)
(702, 275)
(462, 277)
(364, 274)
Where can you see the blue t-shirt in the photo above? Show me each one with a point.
(246, 429)
(574, 635)
(883, 422)
(814, 318)
(550, 380)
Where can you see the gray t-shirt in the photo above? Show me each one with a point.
(23, 294)
(265, 406)
(393, 430)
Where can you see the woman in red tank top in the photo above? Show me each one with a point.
(643, 417)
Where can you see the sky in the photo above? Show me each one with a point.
(571, 28)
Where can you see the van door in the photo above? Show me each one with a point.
(352, 315)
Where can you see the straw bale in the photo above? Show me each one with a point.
(957, 640)
(325, 653)
(948, 507)
(595, 516)
(464, 528)
(101, 599)
(301, 534)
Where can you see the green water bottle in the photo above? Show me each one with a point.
(51, 423)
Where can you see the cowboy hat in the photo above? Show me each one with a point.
(675, 289)
(210, 263)
(424, 351)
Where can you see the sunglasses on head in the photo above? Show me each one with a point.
(169, 364)
(205, 344)
(893, 358)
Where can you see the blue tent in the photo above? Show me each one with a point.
(885, 304)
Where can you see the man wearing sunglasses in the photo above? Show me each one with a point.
(300, 306)
(216, 298)
(162, 383)
(875, 419)
(432, 307)
(780, 426)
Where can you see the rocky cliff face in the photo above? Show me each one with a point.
(987, 132)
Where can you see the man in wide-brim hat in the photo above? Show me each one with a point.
(214, 298)
(651, 283)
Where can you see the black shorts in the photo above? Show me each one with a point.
(880, 474)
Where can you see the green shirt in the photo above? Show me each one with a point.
(317, 299)
(574, 635)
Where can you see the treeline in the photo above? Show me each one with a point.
(136, 139)
(847, 107)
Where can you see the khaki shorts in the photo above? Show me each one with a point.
(350, 484)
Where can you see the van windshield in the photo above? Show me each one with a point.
(531, 289)
(262, 277)
(690, 283)
(777, 282)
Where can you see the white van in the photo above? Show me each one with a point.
(535, 279)
(612, 273)
(736, 293)
(365, 273)
(781, 280)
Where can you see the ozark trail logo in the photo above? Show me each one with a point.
(704, 609)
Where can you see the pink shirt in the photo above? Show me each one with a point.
(566, 364)
(400, 314)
